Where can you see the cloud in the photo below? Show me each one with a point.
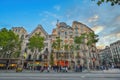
(97, 29)
(101, 46)
(108, 39)
(57, 7)
(50, 14)
(114, 25)
(118, 18)
(53, 23)
(93, 19)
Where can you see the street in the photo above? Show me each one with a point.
(59, 76)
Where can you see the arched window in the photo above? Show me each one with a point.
(40, 57)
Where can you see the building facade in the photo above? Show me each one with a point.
(72, 57)
(66, 55)
(105, 56)
(41, 57)
(115, 50)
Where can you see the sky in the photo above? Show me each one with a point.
(103, 19)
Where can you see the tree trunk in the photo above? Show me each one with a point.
(88, 66)
(34, 56)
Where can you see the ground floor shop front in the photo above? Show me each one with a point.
(8, 63)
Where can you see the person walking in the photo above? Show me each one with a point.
(48, 69)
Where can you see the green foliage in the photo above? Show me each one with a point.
(16, 54)
(58, 41)
(66, 47)
(92, 38)
(78, 40)
(77, 47)
(54, 45)
(51, 59)
(36, 42)
(9, 41)
(113, 2)
(71, 47)
(57, 44)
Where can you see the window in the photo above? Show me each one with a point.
(76, 28)
(40, 57)
(71, 36)
(65, 33)
(46, 44)
(29, 57)
(25, 49)
(58, 33)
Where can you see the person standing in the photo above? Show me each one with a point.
(48, 69)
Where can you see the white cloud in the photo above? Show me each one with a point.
(46, 13)
(93, 19)
(118, 18)
(97, 29)
(57, 7)
(53, 23)
(107, 40)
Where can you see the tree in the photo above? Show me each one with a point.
(51, 59)
(10, 43)
(78, 41)
(36, 43)
(88, 39)
(113, 2)
(66, 47)
(56, 45)
(92, 39)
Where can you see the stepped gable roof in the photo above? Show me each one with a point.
(39, 27)
(19, 28)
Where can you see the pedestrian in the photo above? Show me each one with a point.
(42, 69)
(66, 69)
(48, 69)
(80, 68)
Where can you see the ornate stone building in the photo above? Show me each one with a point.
(42, 58)
(67, 34)
(64, 56)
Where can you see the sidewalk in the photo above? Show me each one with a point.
(85, 71)
(112, 71)
(107, 71)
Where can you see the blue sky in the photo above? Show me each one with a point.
(104, 19)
